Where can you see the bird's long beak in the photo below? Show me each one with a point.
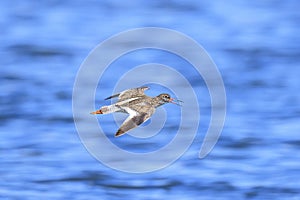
(176, 101)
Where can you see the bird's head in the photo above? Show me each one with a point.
(166, 98)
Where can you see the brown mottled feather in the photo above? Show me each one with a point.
(134, 102)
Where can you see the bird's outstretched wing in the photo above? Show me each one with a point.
(135, 118)
(130, 93)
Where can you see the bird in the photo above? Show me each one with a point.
(137, 104)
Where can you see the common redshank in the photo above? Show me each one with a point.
(139, 106)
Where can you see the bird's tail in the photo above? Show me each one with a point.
(106, 110)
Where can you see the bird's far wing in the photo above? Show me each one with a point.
(126, 94)
(113, 96)
(131, 93)
(135, 119)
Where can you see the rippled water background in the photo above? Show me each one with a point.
(255, 45)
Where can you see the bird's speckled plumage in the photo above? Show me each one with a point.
(139, 106)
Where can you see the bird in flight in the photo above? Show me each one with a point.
(139, 106)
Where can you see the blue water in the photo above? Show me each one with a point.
(255, 45)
